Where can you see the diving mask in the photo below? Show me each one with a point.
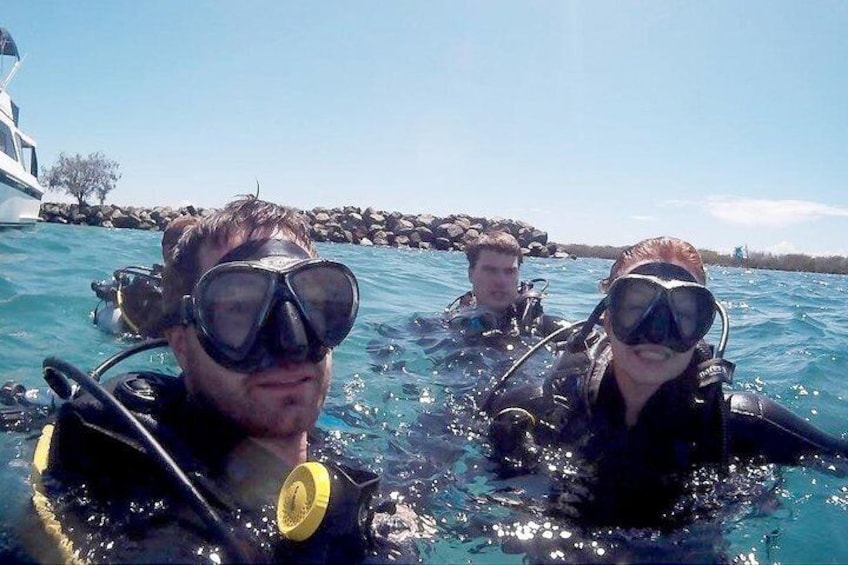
(276, 304)
(660, 303)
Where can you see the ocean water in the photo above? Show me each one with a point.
(400, 399)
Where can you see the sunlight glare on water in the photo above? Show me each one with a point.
(404, 396)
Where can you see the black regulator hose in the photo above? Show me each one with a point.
(580, 331)
(487, 404)
(169, 466)
(129, 352)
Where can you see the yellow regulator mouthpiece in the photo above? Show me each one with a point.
(303, 501)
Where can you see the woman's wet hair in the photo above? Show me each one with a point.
(243, 219)
(497, 241)
(657, 249)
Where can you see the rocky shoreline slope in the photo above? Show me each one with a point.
(349, 224)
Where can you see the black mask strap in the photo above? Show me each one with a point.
(665, 271)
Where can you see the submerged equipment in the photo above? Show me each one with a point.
(136, 292)
(474, 320)
(277, 303)
(316, 499)
(22, 409)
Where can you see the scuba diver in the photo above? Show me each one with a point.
(130, 302)
(637, 405)
(497, 303)
(149, 466)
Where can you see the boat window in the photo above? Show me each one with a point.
(7, 144)
(18, 146)
(28, 158)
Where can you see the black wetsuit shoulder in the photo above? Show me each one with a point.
(580, 399)
(89, 439)
(760, 427)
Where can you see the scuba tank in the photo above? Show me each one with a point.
(129, 302)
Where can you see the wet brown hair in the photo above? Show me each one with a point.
(172, 234)
(497, 241)
(243, 219)
(655, 250)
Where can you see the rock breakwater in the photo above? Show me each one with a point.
(349, 224)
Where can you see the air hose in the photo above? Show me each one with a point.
(58, 368)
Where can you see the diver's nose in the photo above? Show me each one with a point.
(504, 279)
(658, 325)
(288, 334)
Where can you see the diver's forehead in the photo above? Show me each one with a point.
(490, 257)
(265, 250)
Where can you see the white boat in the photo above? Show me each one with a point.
(20, 192)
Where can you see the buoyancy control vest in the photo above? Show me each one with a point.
(603, 471)
(89, 455)
(569, 406)
(525, 316)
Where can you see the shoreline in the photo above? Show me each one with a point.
(371, 227)
(349, 224)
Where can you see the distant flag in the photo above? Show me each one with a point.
(740, 254)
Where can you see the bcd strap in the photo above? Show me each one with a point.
(716, 370)
(600, 355)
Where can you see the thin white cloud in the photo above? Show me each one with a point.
(782, 248)
(643, 218)
(751, 212)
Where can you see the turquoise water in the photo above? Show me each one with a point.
(399, 400)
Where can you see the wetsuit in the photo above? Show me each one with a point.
(117, 504)
(632, 476)
(525, 316)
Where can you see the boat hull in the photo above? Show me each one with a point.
(19, 202)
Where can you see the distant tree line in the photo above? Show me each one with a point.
(755, 260)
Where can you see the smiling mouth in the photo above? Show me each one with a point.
(653, 353)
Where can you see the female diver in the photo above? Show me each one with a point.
(639, 404)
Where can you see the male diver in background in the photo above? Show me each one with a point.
(130, 301)
(252, 318)
(640, 403)
(496, 302)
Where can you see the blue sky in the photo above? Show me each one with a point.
(722, 122)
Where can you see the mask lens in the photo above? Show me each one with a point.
(233, 306)
(631, 300)
(328, 297)
(694, 310)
